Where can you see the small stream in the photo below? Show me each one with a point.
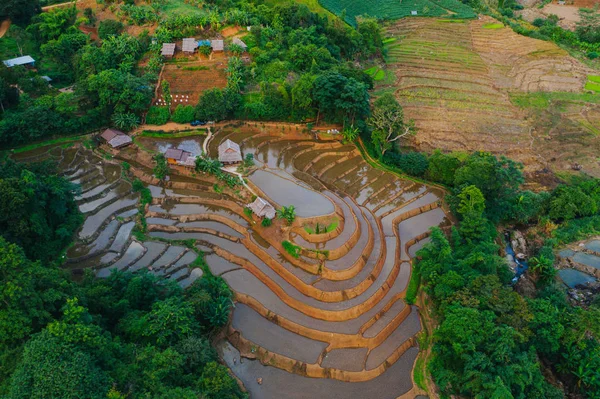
(522, 264)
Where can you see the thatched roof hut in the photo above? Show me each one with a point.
(116, 138)
(229, 152)
(262, 208)
(168, 49)
(217, 45)
(189, 45)
(177, 156)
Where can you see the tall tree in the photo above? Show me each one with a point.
(19, 11)
(388, 124)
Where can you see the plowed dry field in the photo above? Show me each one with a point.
(189, 78)
(459, 79)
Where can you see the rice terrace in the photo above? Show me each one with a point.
(262, 199)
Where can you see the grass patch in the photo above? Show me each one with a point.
(371, 71)
(167, 135)
(196, 68)
(61, 140)
(595, 79)
(543, 99)
(293, 250)
(389, 40)
(413, 287)
(493, 25)
(419, 374)
(592, 86)
(380, 75)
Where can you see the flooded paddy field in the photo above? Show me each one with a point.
(331, 319)
(110, 207)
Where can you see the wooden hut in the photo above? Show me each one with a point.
(217, 45)
(189, 45)
(229, 152)
(240, 43)
(176, 156)
(262, 208)
(168, 50)
(116, 138)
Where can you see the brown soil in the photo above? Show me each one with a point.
(189, 79)
(568, 15)
(454, 80)
(4, 25)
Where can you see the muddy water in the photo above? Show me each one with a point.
(122, 237)
(573, 277)
(410, 327)
(93, 223)
(100, 243)
(219, 265)
(134, 251)
(277, 383)
(288, 191)
(387, 317)
(170, 256)
(153, 250)
(195, 274)
(587, 259)
(274, 338)
(349, 359)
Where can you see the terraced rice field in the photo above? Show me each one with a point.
(336, 313)
(454, 78)
(331, 319)
(105, 240)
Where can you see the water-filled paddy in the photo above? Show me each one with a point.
(286, 191)
(572, 277)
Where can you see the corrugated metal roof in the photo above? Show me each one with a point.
(120, 141)
(26, 59)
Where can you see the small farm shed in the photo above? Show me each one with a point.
(189, 45)
(116, 138)
(27, 61)
(262, 208)
(168, 49)
(240, 43)
(217, 45)
(229, 152)
(189, 162)
(176, 156)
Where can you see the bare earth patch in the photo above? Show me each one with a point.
(456, 80)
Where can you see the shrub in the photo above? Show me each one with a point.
(593, 55)
(412, 163)
(109, 27)
(539, 22)
(157, 116)
(266, 222)
(137, 185)
(291, 249)
(183, 114)
(248, 212)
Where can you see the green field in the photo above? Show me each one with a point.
(396, 9)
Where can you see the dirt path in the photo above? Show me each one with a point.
(65, 4)
(4, 27)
